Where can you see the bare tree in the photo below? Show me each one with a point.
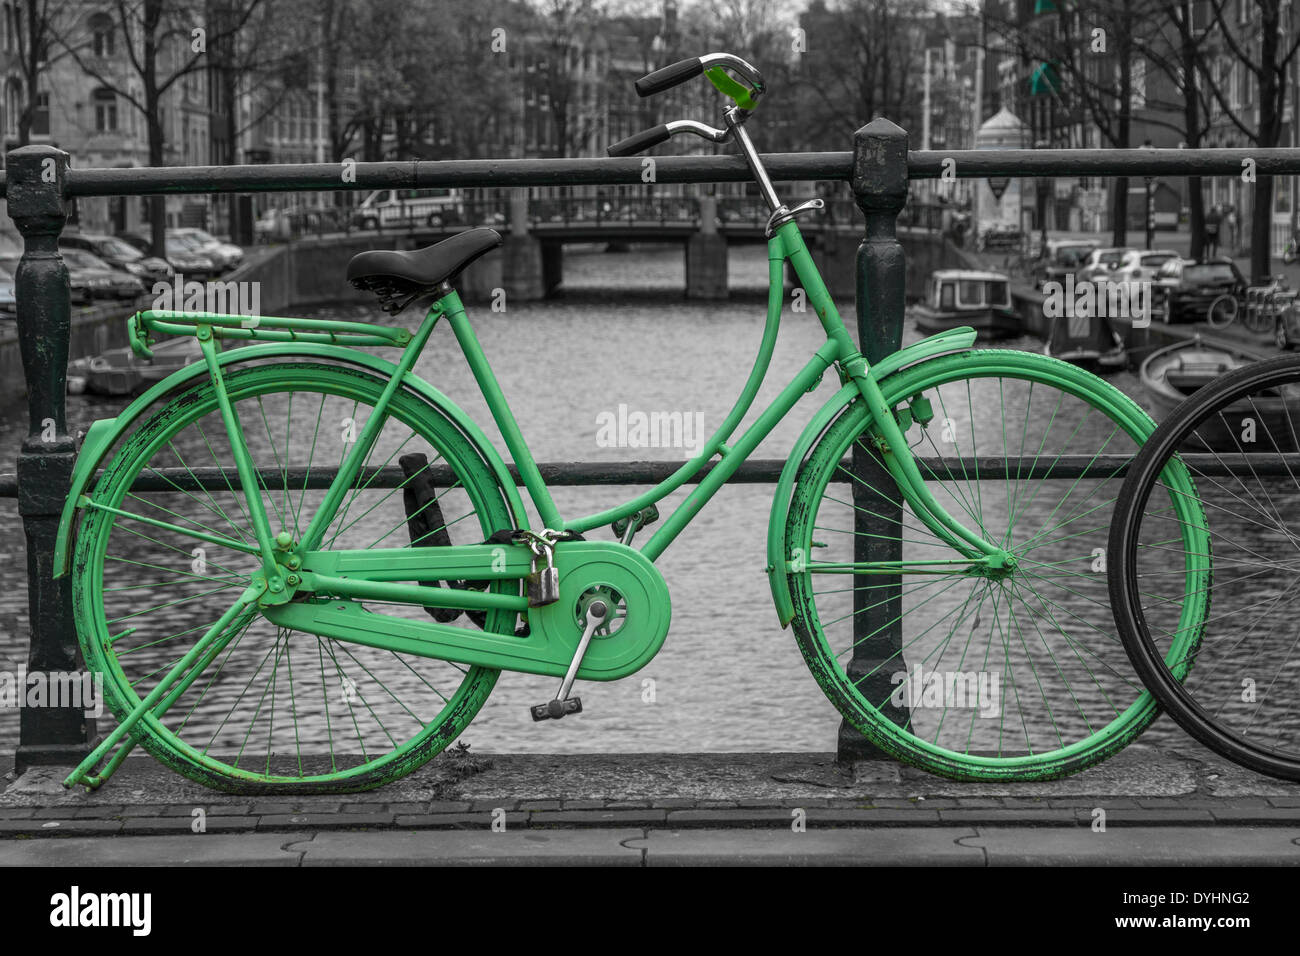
(164, 41)
(1090, 58)
(1266, 52)
(1179, 62)
(40, 24)
(865, 63)
(567, 30)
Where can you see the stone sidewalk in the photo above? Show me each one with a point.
(1158, 805)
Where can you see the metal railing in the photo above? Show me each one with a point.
(39, 181)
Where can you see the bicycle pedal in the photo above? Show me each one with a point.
(555, 709)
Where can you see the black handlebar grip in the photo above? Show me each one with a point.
(669, 76)
(640, 141)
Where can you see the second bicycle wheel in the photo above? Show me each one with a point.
(969, 674)
(1238, 691)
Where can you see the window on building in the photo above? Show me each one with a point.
(102, 35)
(41, 115)
(105, 110)
(1138, 84)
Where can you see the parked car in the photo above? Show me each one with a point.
(8, 304)
(1061, 258)
(409, 207)
(1142, 264)
(1184, 289)
(81, 293)
(180, 255)
(1286, 328)
(98, 277)
(1101, 264)
(119, 254)
(276, 224)
(224, 255)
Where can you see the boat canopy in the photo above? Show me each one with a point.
(956, 289)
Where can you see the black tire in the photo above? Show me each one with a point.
(1176, 692)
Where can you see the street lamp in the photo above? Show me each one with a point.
(1150, 208)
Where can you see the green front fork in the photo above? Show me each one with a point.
(891, 443)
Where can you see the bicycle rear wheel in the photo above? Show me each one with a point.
(277, 710)
(966, 674)
(1237, 690)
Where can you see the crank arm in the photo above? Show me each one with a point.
(562, 704)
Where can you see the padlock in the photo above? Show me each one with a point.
(543, 583)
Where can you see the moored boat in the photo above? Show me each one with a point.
(120, 371)
(968, 297)
(1085, 340)
(1175, 372)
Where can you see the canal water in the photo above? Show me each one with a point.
(729, 678)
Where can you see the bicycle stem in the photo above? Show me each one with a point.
(735, 118)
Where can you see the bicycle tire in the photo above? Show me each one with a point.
(1222, 312)
(1181, 684)
(1095, 714)
(377, 716)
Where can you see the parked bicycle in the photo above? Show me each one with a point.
(1261, 309)
(235, 538)
(1234, 688)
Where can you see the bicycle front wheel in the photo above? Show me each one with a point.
(1236, 689)
(278, 710)
(1015, 674)
(1222, 312)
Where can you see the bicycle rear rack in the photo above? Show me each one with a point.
(143, 327)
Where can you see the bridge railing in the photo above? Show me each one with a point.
(39, 182)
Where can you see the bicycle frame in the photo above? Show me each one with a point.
(838, 349)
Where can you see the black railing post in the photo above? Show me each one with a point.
(880, 188)
(35, 192)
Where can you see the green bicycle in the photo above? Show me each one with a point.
(299, 567)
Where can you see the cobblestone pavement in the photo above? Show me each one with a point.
(1144, 806)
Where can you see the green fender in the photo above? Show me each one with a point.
(950, 341)
(103, 434)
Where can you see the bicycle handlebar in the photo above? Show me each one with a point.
(669, 76)
(712, 65)
(642, 140)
